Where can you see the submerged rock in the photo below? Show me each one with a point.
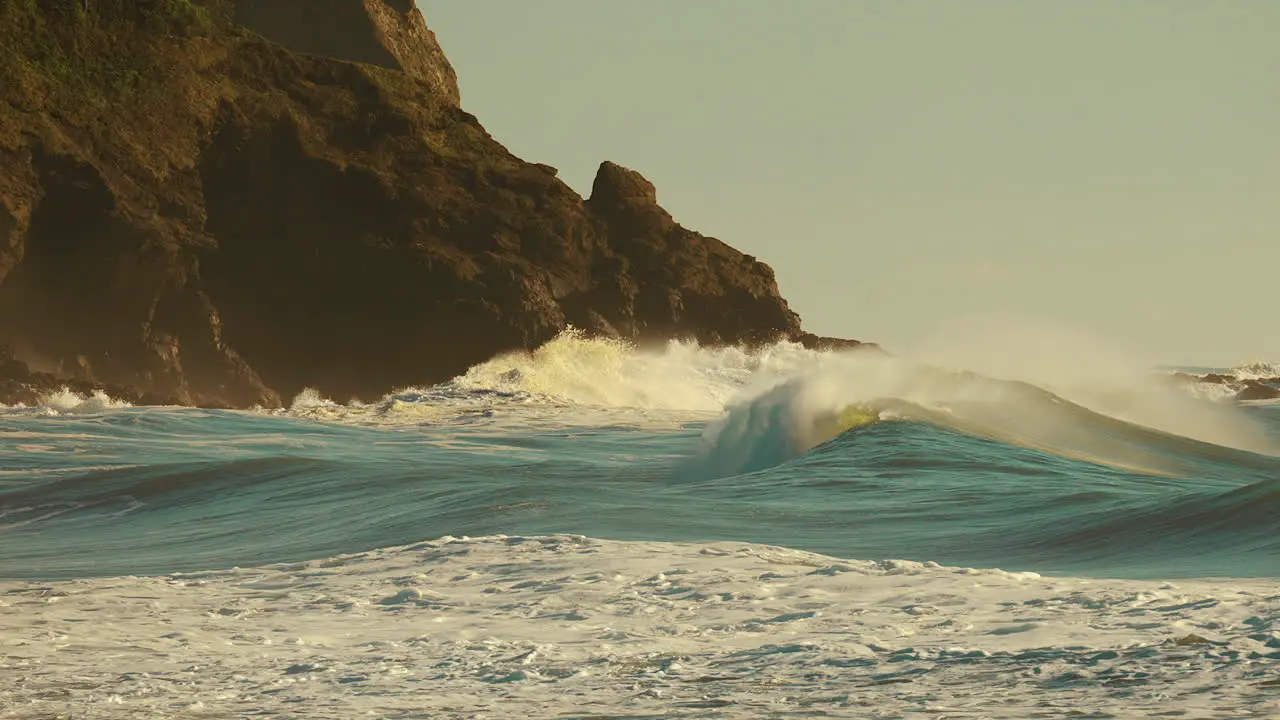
(1192, 639)
(306, 205)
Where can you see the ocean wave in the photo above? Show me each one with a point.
(1050, 464)
(770, 404)
(1242, 521)
(947, 465)
(1106, 423)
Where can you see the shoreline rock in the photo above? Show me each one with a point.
(19, 385)
(1242, 389)
(1259, 390)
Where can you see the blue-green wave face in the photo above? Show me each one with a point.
(858, 455)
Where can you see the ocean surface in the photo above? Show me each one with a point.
(1104, 510)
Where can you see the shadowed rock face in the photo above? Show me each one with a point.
(250, 221)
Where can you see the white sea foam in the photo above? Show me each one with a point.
(569, 626)
(67, 401)
(612, 373)
(574, 380)
(1257, 371)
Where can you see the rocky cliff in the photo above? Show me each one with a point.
(388, 33)
(222, 203)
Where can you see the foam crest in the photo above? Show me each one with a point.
(613, 373)
(66, 400)
(1257, 371)
(311, 399)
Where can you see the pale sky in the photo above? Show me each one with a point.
(905, 165)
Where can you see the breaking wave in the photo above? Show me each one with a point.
(1024, 454)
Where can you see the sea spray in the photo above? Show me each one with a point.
(772, 403)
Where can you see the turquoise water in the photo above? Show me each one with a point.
(99, 491)
(138, 491)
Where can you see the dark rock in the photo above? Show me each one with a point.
(32, 389)
(619, 189)
(1192, 639)
(152, 398)
(12, 368)
(652, 279)
(1219, 379)
(817, 342)
(1254, 390)
(247, 221)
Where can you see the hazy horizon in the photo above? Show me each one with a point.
(907, 166)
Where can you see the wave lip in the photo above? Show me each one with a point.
(1125, 426)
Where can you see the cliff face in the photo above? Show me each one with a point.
(388, 33)
(240, 219)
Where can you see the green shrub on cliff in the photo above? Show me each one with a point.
(87, 50)
(181, 17)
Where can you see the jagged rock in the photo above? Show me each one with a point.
(20, 386)
(1219, 379)
(620, 189)
(388, 33)
(661, 280)
(12, 368)
(248, 221)
(1255, 390)
(1192, 639)
(817, 342)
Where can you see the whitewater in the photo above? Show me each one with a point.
(979, 529)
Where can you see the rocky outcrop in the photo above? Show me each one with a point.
(653, 279)
(244, 220)
(1240, 389)
(388, 33)
(21, 386)
(830, 344)
(1255, 390)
